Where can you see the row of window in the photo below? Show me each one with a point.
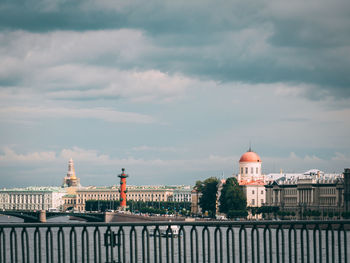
(261, 192)
(327, 190)
(253, 201)
(327, 201)
(290, 191)
(251, 170)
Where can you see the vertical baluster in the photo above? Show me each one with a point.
(97, 245)
(37, 245)
(182, 234)
(206, 230)
(302, 243)
(283, 244)
(291, 229)
(242, 230)
(179, 247)
(278, 230)
(2, 246)
(13, 245)
(330, 226)
(172, 247)
(155, 232)
(320, 243)
(85, 255)
(107, 243)
(295, 245)
(60, 235)
(265, 243)
(252, 243)
(307, 245)
(218, 232)
(73, 253)
(133, 247)
(168, 230)
(345, 246)
(255, 244)
(157, 236)
(270, 243)
(25, 245)
(49, 245)
(194, 231)
(228, 246)
(314, 243)
(145, 245)
(121, 246)
(111, 247)
(327, 245)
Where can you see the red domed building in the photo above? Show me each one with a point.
(251, 178)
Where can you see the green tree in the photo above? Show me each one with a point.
(232, 197)
(209, 190)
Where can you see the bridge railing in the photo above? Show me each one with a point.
(207, 241)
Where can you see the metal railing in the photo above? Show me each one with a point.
(205, 241)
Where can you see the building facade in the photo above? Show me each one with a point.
(313, 190)
(134, 193)
(71, 195)
(32, 198)
(252, 180)
(347, 189)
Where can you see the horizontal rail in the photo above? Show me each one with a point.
(183, 223)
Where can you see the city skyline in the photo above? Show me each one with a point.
(174, 92)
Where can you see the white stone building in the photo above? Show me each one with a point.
(135, 193)
(32, 198)
(251, 179)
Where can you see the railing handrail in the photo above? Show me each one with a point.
(181, 223)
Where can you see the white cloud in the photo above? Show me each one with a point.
(296, 163)
(85, 65)
(108, 115)
(10, 155)
(99, 82)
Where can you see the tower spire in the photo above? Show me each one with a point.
(122, 189)
(250, 146)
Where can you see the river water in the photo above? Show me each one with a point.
(195, 243)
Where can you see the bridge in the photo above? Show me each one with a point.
(42, 215)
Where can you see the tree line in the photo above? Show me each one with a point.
(140, 206)
(232, 200)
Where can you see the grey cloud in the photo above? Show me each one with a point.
(255, 42)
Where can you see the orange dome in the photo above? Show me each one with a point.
(250, 157)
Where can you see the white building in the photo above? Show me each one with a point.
(32, 198)
(181, 194)
(251, 179)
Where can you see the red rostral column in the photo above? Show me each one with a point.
(122, 190)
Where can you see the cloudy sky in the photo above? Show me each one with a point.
(173, 91)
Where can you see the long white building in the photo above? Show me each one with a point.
(32, 198)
